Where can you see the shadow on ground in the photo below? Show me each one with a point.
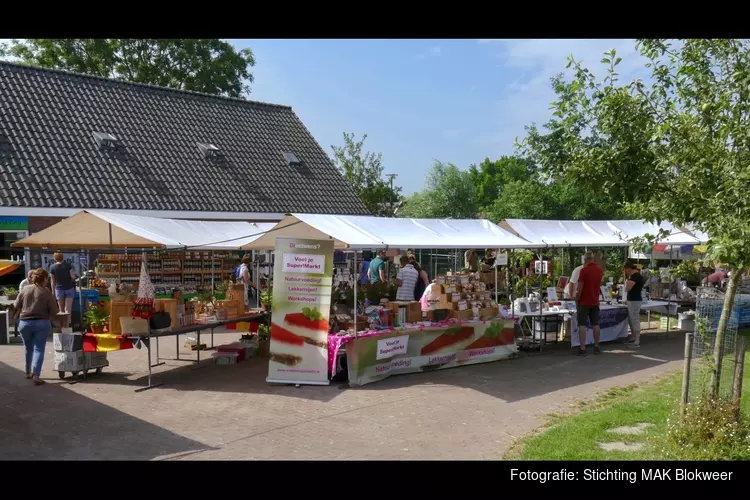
(529, 376)
(68, 426)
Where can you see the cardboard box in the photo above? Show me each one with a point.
(488, 278)
(69, 361)
(464, 315)
(488, 312)
(67, 342)
(414, 313)
(95, 360)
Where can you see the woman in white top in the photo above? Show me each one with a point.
(244, 278)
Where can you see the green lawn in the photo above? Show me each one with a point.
(577, 437)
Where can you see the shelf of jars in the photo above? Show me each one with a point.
(190, 268)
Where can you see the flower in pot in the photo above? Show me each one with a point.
(266, 296)
(10, 292)
(96, 317)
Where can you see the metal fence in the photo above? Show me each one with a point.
(710, 302)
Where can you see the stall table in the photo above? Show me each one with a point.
(613, 320)
(376, 355)
(115, 342)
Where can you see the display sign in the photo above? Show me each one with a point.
(301, 305)
(501, 259)
(430, 349)
(14, 223)
(387, 348)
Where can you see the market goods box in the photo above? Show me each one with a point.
(69, 361)
(119, 309)
(224, 358)
(444, 304)
(67, 342)
(488, 312)
(465, 315)
(95, 360)
(488, 278)
(414, 312)
(168, 306)
(238, 348)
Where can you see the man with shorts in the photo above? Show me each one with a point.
(587, 301)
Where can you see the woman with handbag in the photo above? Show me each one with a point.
(244, 278)
(36, 306)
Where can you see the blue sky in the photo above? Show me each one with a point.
(457, 101)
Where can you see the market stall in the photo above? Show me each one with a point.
(154, 242)
(384, 337)
(617, 233)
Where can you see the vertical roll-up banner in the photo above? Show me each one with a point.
(301, 305)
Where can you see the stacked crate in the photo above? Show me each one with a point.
(68, 352)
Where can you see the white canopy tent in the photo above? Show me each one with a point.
(616, 233)
(363, 232)
(102, 229)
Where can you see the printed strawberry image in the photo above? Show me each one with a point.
(310, 319)
(452, 336)
(284, 336)
(495, 335)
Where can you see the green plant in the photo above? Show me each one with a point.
(223, 286)
(708, 430)
(10, 291)
(264, 333)
(95, 315)
(266, 295)
(685, 269)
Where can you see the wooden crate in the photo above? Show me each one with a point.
(168, 306)
(488, 312)
(118, 309)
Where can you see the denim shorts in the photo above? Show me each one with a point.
(61, 294)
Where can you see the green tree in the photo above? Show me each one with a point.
(206, 65)
(674, 149)
(489, 177)
(448, 193)
(364, 173)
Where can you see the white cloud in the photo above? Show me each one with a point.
(527, 99)
(433, 51)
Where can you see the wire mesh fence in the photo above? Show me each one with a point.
(709, 305)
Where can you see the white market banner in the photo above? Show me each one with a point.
(301, 305)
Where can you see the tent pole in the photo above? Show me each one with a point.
(669, 287)
(257, 278)
(212, 272)
(356, 311)
(80, 292)
(512, 289)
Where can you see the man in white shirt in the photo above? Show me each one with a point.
(406, 280)
(25, 282)
(570, 290)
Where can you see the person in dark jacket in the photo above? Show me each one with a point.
(422, 282)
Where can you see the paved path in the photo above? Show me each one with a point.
(229, 412)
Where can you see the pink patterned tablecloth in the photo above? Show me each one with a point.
(336, 342)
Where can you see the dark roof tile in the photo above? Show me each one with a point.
(49, 118)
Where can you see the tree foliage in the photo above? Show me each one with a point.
(489, 177)
(206, 65)
(674, 149)
(449, 193)
(364, 173)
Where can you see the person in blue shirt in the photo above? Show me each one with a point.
(377, 268)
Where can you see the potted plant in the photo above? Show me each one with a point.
(10, 292)
(266, 296)
(264, 341)
(96, 317)
(206, 302)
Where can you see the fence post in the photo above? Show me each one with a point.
(689, 337)
(739, 368)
